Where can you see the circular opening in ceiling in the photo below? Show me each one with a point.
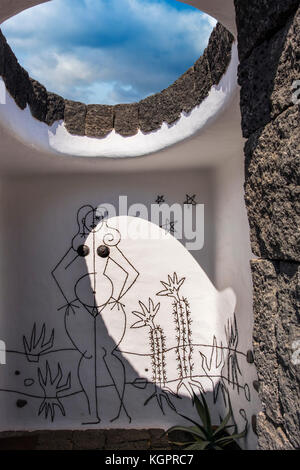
(162, 119)
(108, 51)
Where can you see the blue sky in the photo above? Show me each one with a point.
(108, 51)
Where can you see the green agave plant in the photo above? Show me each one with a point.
(206, 436)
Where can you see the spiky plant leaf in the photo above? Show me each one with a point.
(223, 424)
(198, 425)
(187, 430)
(199, 445)
(203, 412)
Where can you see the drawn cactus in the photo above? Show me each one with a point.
(228, 364)
(35, 347)
(233, 371)
(158, 349)
(183, 321)
(52, 386)
(214, 361)
(156, 340)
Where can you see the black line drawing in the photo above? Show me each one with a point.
(231, 372)
(220, 357)
(190, 200)
(183, 321)
(169, 226)
(93, 277)
(105, 281)
(160, 200)
(37, 346)
(157, 340)
(52, 386)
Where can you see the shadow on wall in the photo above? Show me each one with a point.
(93, 379)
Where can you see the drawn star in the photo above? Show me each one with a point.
(190, 200)
(169, 226)
(160, 200)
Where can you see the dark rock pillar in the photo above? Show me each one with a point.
(269, 51)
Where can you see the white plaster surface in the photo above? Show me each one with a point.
(40, 222)
(153, 255)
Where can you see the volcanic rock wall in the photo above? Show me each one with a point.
(269, 40)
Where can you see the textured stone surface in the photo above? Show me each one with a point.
(268, 42)
(219, 52)
(267, 75)
(113, 439)
(150, 113)
(58, 440)
(55, 108)
(258, 19)
(89, 440)
(26, 442)
(158, 439)
(271, 437)
(99, 120)
(126, 119)
(11, 70)
(288, 331)
(74, 116)
(265, 311)
(16, 79)
(203, 78)
(23, 88)
(182, 91)
(272, 188)
(276, 326)
(37, 100)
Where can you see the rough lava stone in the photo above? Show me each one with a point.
(218, 52)
(55, 108)
(267, 75)
(37, 100)
(74, 117)
(126, 119)
(258, 19)
(272, 191)
(99, 120)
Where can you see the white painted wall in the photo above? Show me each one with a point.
(40, 220)
(233, 254)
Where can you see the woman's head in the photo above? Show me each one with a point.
(91, 220)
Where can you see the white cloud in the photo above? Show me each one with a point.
(130, 48)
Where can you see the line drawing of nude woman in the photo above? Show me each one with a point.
(93, 277)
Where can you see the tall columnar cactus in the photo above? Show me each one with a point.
(183, 321)
(157, 343)
(184, 350)
(156, 340)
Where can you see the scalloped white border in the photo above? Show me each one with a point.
(57, 140)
